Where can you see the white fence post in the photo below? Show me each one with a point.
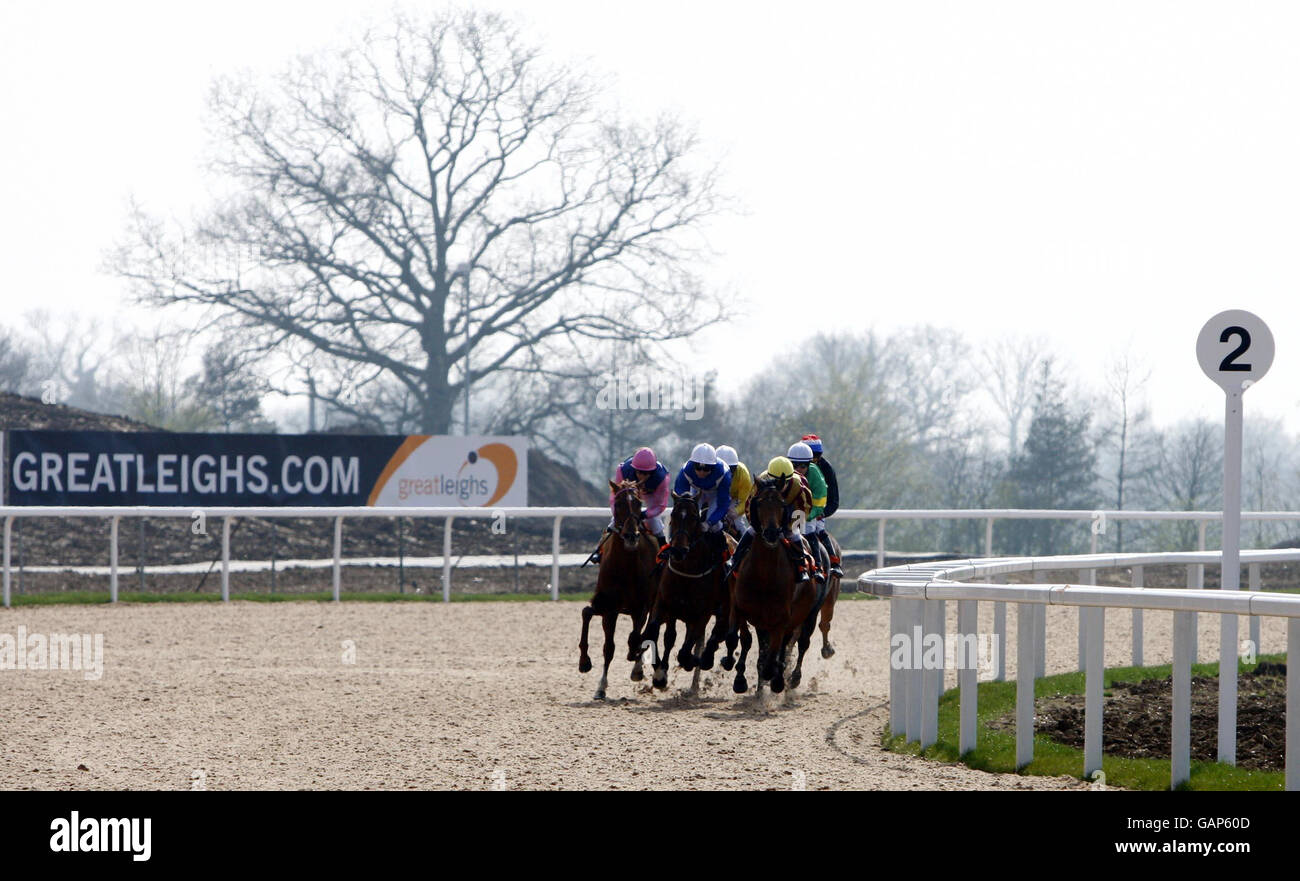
(1292, 705)
(1138, 581)
(931, 624)
(1095, 624)
(225, 559)
(914, 670)
(967, 670)
(446, 561)
(338, 557)
(1180, 749)
(9, 528)
(1000, 636)
(1024, 684)
(112, 560)
(1040, 639)
(880, 544)
(1255, 639)
(555, 560)
(897, 682)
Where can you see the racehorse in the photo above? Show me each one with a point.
(692, 588)
(828, 607)
(767, 595)
(623, 583)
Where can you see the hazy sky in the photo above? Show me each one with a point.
(1103, 175)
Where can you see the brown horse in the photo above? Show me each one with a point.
(828, 607)
(766, 595)
(691, 590)
(623, 584)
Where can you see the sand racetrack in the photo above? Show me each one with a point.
(462, 696)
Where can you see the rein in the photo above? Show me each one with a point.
(690, 546)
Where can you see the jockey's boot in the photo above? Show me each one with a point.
(595, 555)
(794, 546)
(739, 554)
(825, 539)
(718, 544)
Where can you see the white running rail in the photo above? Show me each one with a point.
(557, 514)
(917, 594)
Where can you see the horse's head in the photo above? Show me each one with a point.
(627, 512)
(686, 522)
(769, 509)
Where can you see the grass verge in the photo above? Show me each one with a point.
(996, 750)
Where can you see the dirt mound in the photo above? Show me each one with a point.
(551, 484)
(17, 411)
(1137, 718)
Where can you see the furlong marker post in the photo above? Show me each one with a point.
(1235, 349)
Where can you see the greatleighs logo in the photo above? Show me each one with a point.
(438, 471)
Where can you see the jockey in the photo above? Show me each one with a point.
(794, 490)
(801, 455)
(832, 482)
(705, 475)
(742, 487)
(652, 489)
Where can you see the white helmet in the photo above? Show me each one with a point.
(704, 454)
(728, 454)
(799, 452)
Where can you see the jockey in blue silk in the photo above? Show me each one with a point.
(708, 477)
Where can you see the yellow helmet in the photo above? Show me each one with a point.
(780, 467)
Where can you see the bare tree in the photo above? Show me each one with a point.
(435, 206)
(1124, 421)
(15, 362)
(1008, 374)
(70, 360)
(1187, 475)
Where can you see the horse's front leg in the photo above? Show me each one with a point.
(741, 685)
(661, 669)
(634, 642)
(610, 620)
(584, 660)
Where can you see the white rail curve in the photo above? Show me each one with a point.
(917, 594)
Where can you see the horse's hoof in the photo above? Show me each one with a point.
(687, 662)
(741, 685)
(795, 678)
(660, 683)
(778, 684)
(728, 662)
(584, 665)
(706, 662)
(828, 650)
(600, 695)
(637, 675)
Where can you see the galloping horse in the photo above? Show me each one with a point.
(828, 607)
(623, 584)
(691, 589)
(766, 595)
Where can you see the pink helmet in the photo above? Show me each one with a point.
(644, 460)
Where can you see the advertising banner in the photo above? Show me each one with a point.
(228, 470)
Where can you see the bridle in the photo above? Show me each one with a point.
(770, 492)
(625, 505)
(694, 540)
